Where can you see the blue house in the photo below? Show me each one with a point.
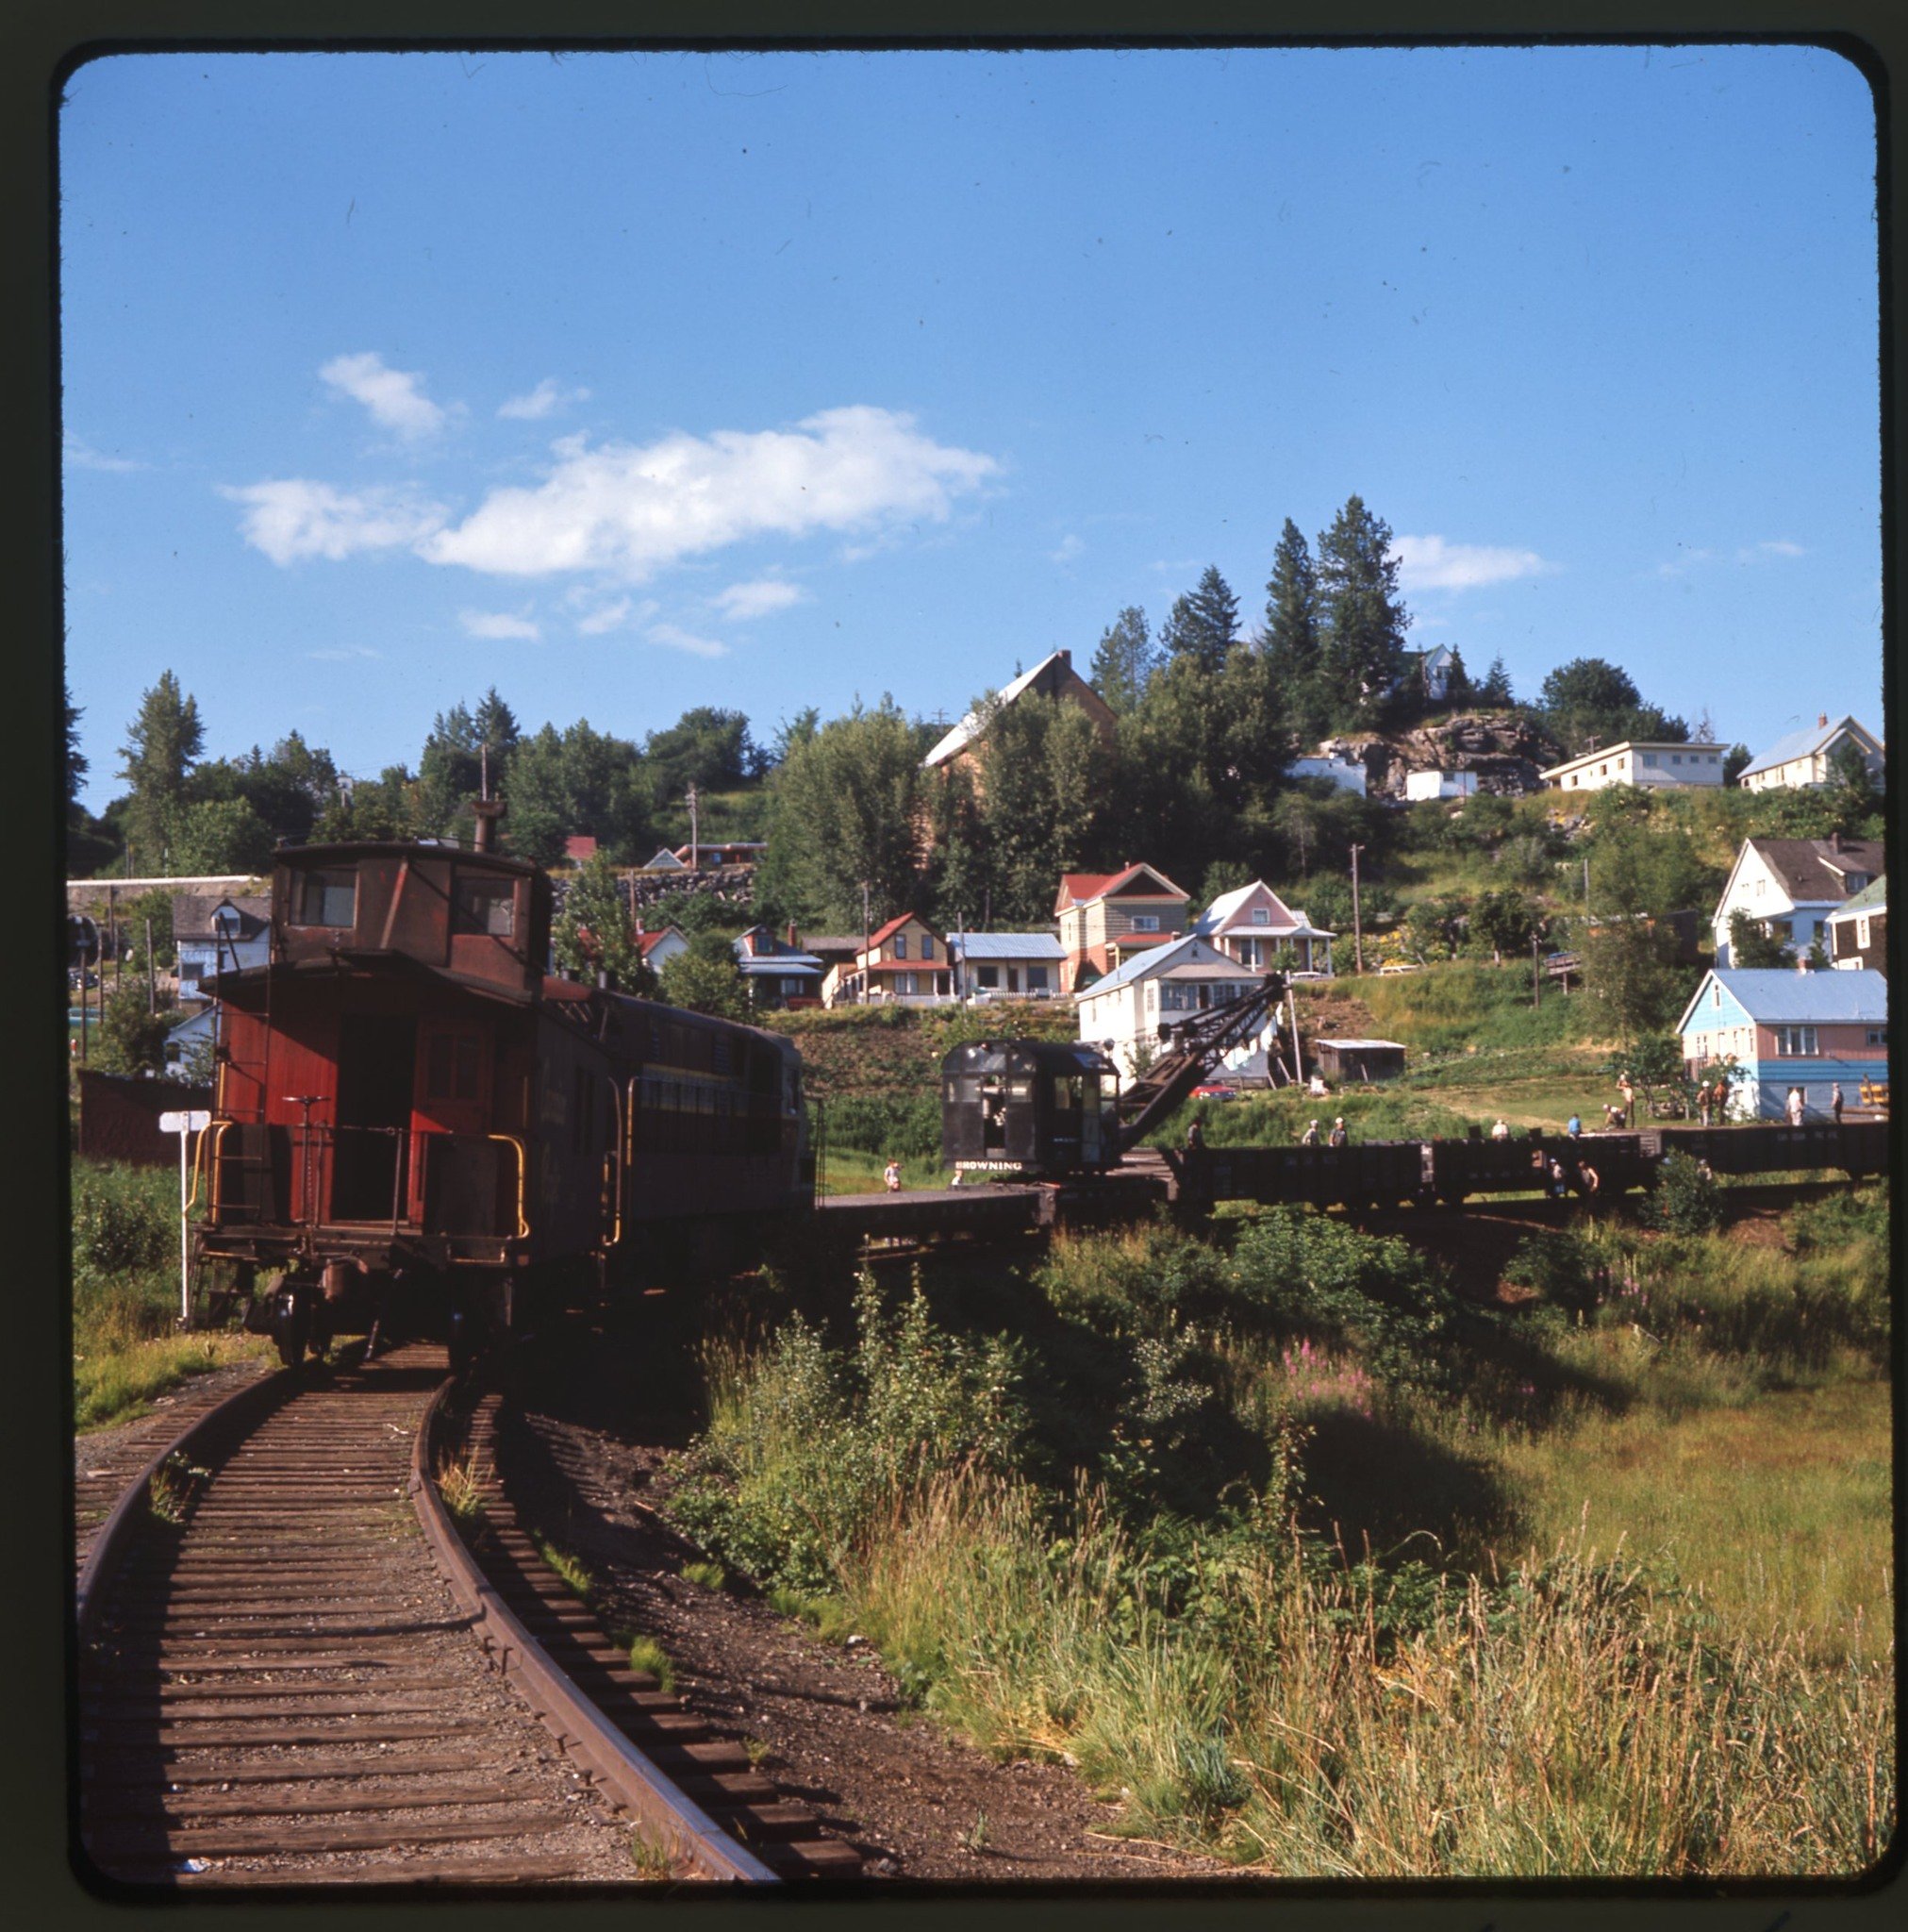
(1780, 1029)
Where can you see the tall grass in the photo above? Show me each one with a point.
(1628, 1608)
(125, 1288)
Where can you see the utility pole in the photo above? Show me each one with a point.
(1536, 977)
(1357, 931)
(865, 930)
(695, 851)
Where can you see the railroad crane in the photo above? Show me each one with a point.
(1028, 1109)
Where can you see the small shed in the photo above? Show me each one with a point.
(1359, 1060)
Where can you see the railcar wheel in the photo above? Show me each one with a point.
(292, 1325)
(460, 1341)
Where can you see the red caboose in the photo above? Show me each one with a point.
(406, 1100)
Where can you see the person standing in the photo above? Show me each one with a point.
(1629, 1093)
(1502, 1129)
(1310, 1136)
(1195, 1137)
(891, 1176)
(1797, 1107)
(1338, 1136)
(1702, 1104)
(1835, 1102)
(1573, 1127)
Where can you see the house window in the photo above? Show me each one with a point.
(1716, 996)
(1146, 922)
(1876, 1036)
(1862, 930)
(1795, 1042)
(989, 976)
(1676, 758)
(1648, 757)
(1036, 978)
(326, 898)
(1262, 915)
(901, 945)
(926, 946)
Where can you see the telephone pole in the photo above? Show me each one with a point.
(1358, 931)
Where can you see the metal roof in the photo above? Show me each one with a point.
(1006, 945)
(1155, 960)
(1781, 996)
(1801, 745)
(1873, 897)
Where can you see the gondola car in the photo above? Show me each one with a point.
(412, 1116)
(1028, 1107)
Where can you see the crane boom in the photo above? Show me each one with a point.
(1198, 1045)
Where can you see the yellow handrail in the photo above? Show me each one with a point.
(214, 1202)
(522, 1167)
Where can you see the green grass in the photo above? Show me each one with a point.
(117, 1383)
(646, 1653)
(1325, 1572)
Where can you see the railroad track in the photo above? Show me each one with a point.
(278, 1683)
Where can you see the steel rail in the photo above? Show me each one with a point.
(680, 1826)
(118, 1530)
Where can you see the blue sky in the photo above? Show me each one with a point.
(631, 382)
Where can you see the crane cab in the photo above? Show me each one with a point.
(1028, 1107)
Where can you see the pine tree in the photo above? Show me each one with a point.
(1362, 621)
(75, 758)
(1495, 688)
(1203, 622)
(1125, 660)
(162, 745)
(1290, 639)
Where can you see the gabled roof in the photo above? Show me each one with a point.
(648, 942)
(1083, 887)
(665, 860)
(1805, 744)
(1189, 949)
(1776, 995)
(1814, 873)
(831, 945)
(969, 728)
(1873, 897)
(894, 925)
(194, 913)
(1228, 907)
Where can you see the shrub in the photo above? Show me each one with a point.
(1561, 1268)
(886, 1123)
(1687, 1199)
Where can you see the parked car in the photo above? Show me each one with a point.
(1214, 1089)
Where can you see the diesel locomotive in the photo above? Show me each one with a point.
(413, 1120)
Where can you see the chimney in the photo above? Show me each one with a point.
(792, 936)
(1821, 721)
(1835, 841)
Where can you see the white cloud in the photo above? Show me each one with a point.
(82, 456)
(673, 637)
(291, 518)
(1776, 546)
(594, 623)
(497, 624)
(761, 598)
(1428, 563)
(636, 509)
(395, 397)
(1070, 548)
(345, 655)
(545, 400)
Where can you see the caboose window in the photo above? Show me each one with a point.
(486, 905)
(326, 898)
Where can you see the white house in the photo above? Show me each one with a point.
(659, 948)
(1254, 925)
(217, 934)
(1805, 758)
(1435, 665)
(1638, 762)
(1424, 785)
(1347, 773)
(1005, 965)
(1777, 1028)
(1790, 885)
(1122, 1013)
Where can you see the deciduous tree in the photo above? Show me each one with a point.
(595, 936)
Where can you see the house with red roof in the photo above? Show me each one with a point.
(905, 961)
(1106, 918)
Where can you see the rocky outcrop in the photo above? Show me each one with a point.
(1506, 749)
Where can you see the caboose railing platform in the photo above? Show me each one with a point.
(405, 1180)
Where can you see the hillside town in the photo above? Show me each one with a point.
(1779, 977)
